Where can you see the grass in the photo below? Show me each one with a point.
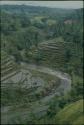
(71, 114)
(50, 22)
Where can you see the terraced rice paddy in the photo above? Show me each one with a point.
(39, 44)
(55, 50)
(28, 86)
(8, 67)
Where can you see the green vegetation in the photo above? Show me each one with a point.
(71, 115)
(41, 37)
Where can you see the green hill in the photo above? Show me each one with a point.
(71, 114)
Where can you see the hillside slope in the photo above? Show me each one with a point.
(71, 114)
